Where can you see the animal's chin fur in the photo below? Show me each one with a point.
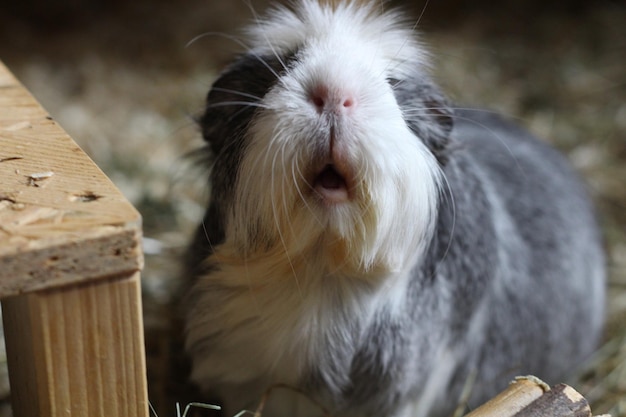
(382, 227)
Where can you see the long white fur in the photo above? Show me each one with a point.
(284, 298)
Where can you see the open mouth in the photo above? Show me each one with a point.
(331, 185)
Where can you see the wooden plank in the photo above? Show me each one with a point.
(62, 221)
(69, 259)
(77, 351)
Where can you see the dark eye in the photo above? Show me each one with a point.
(393, 82)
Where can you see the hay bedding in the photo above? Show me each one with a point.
(121, 81)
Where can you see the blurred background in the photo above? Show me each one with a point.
(124, 80)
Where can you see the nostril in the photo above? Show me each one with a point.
(327, 100)
(318, 101)
(319, 97)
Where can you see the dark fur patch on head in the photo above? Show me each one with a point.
(427, 113)
(230, 107)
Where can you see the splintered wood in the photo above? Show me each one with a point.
(530, 397)
(70, 256)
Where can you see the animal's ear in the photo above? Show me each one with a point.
(427, 113)
(235, 96)
(228, 109)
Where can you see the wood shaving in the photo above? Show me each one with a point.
(39, 176)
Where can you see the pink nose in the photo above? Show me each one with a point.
(327, 100)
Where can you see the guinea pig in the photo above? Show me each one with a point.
(371, 246)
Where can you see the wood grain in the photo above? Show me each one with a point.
(61, 219)
(77, 351)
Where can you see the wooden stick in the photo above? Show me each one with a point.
(530, 397)
(562, 400)
(519, 394)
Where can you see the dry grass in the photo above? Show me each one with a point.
(122, 82)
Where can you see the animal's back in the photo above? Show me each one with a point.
(542, 260)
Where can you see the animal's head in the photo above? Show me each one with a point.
(327, 136)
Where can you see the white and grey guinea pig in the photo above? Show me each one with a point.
(371, 246)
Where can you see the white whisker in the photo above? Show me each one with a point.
(240, 43)
(267, 40)
(236, 103)
(239, 93)
(425, 112)
(407, 39)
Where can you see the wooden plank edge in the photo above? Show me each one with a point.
(101, 253)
